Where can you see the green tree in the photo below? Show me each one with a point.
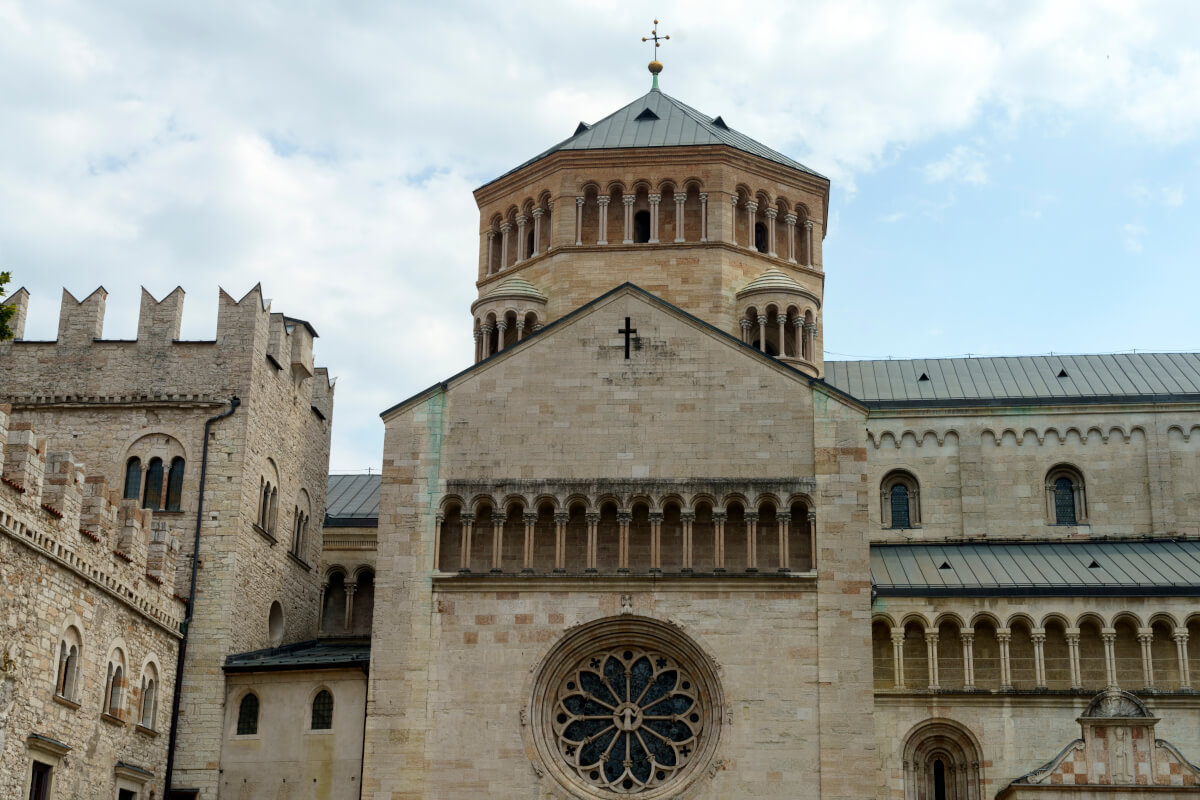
(6, 312)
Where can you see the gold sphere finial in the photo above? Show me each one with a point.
(655, 67)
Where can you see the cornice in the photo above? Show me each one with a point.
(667, 582)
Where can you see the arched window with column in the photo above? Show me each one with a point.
(149, 697)
(70, 652)
(942, 761)
(175, 485)
(900, 500)
(152, 499)
(133, 479)
(1066, 497)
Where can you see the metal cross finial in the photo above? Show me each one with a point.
(654, 37)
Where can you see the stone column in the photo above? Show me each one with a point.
(549, 229)
(465, 559)
(520, 328)
(812, 540)
(320, 603)
(498, 524)
(487, 339)
(538, 213)
(752, 541)
(745, 330)
(655, 199)
(931, 655)
(704, 216)
(504, 231)
(593, 522)
(1145, 638)
(782, 520)
(501, 327)
(808, 240)
(751, 211)
(478, 335)
(628, 201)
(810, 340)
(522, 220)
(1004, 637)
(602, 226)
(771, 213)
(530, 527)
(898, 658)
(491, 243)
(718, 541)
(686, 520)
(560, 541)
(790, 220)
(1181, 640)
(733, 223)
(762, 332)
(781, 318)
(656, 542)
(1109, 637)
(351, 588)
(579, 201)
(623, 521)
(967, 637)
(798, 324)
(679, 200)
(1038, 637)
(1072, 636)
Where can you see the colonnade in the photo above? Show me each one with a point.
(790, 333)
(492, 333)
(764, 239)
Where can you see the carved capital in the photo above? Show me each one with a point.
(790, 219)
(772, 213)
(628, 199)
(579, 201)
(808, 225)
(604, 201)
(530, 519)
(751, 206)
(539, 212)
(655, 199)
(562, 519)
(505, 227)
(656, 518)
(522, 219)
(704, 197)
(491, 234)
(592, 519)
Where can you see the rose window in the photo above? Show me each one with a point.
(627, 719)
(636, 711)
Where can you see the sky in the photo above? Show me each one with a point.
(1008, 178)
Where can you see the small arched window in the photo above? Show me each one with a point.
(641, 227)
(133, 478)
(154, 485)
(1066, 500)
(175, 485)
(760, 237)
(900, 506)
(114, 689)
(247, 722)
(149, 698)
(530, 245)
(322, 711)
(66, 682)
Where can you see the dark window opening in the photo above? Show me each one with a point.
(529, 245)
(247, 724)
(175, 485)
(1064, 502)
(770, 349)
(154, 483)
(133, 478)
(760, 237)
(641, 227)
(939, 780)
(900, 515)
(39, 786)
(127, 794)
(322, 711)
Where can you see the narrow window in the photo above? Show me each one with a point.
(133, 478)
(39, 785)
(175, 484)
(154, 484)
(900, 515)
(939, 780)
(760, 237)
(322, 711)
(641, 227)
(149, 701)
(60, 685)
(274, 513)
(529, 250)
(114, 695)
(248, 716)
(1064, 502)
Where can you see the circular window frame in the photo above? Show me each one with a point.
(609, 634)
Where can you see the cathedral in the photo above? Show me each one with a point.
(650, 543)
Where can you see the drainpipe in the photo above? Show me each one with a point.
(234, 402)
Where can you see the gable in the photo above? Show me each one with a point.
(689, 401)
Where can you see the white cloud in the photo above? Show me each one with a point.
(1131, 236)
(1172, 196)
(962, 164)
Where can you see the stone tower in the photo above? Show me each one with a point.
(672, 200)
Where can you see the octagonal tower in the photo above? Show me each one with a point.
(672, 200)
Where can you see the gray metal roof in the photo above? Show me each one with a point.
(1142, 567)
(1149, 376)
(313, 654)
(351, 497)
(670, 124)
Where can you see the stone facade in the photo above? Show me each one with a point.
(110, 402)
